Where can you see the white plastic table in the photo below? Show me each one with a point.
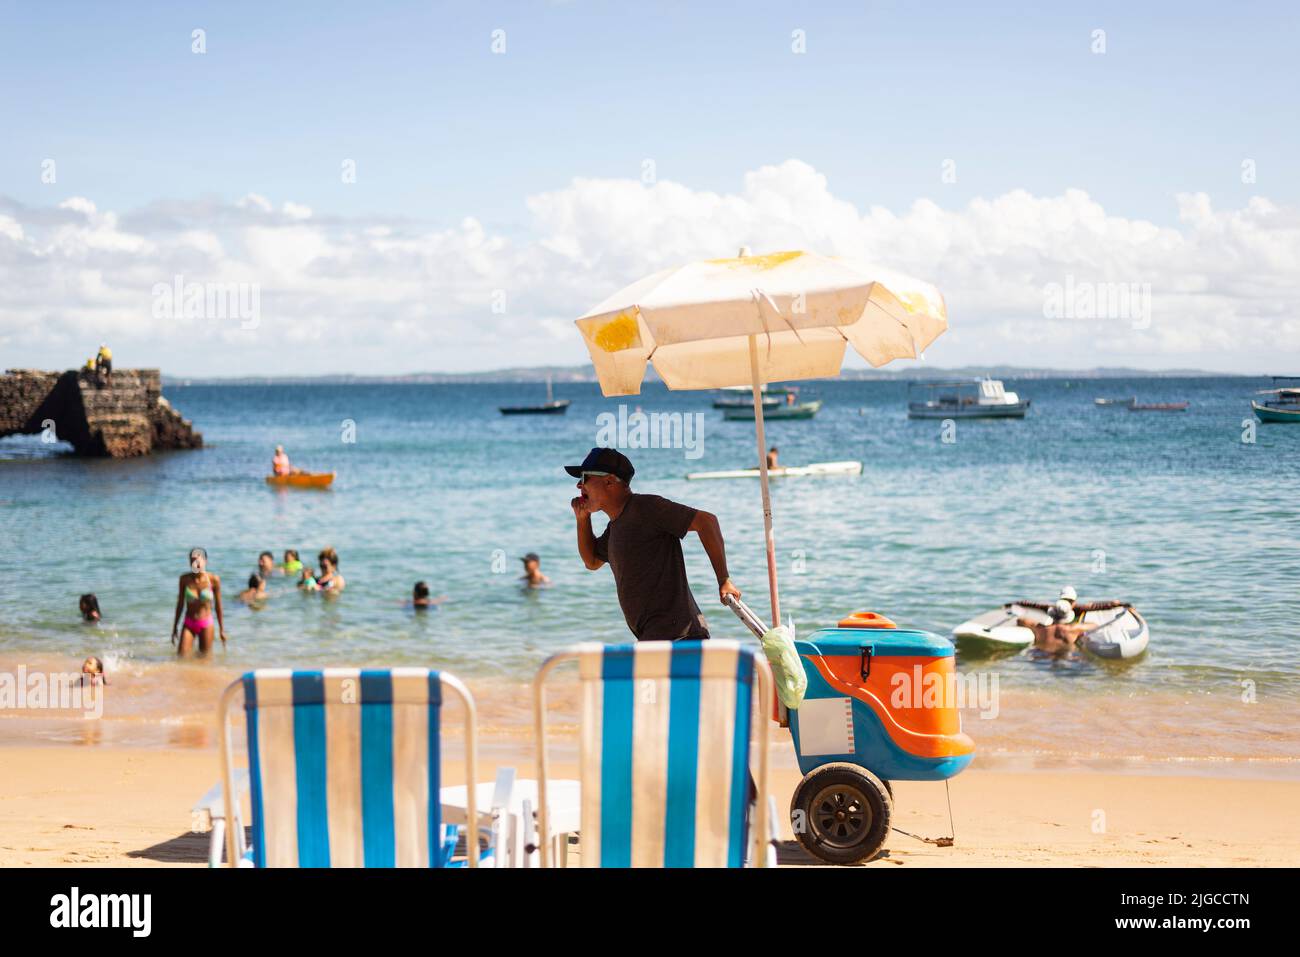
(518, 806)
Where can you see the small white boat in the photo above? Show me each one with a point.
(792, 471)
(1120, 632)
(966, 399)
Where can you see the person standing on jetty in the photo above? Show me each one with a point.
(104, 365)
(642, 545)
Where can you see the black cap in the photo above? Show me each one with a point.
(604, 460)
(530, 557)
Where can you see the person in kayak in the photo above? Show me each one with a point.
(772, 458)
(643, 548)
(198, 593)
(532, 576)
(280, 463)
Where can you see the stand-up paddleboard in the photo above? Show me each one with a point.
(1122, 633)
(1119, 632)
(792, 471)
(302, 479)
(998, 631)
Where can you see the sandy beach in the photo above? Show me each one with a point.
(129, 807)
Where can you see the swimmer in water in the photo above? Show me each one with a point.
(329, 578)
(420, 597)
(92, 672)
(292, 565)
(532, 576)
(198, 594)
(255, 592)
(89, 605)
(266, 564)
(307, 578)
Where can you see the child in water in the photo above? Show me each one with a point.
(420, 597)
(89, 607)
(292, 565)
(307, 578)
(92, 672)
(256, 590)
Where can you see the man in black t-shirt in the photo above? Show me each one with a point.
(643, 546)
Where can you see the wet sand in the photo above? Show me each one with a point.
(130, 807)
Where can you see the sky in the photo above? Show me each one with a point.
(398, 187)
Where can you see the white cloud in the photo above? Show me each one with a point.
(375, 295)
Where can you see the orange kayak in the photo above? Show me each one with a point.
(302, 479)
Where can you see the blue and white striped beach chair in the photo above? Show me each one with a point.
(664, 753)
(344, 767)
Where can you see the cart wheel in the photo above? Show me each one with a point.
(840, 813)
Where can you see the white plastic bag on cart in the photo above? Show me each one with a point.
(787, 669)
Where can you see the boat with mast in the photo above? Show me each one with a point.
(552, 406)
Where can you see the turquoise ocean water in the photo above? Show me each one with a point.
(1174, 512)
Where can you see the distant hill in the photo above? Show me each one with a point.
(585, 373)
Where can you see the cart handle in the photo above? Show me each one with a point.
(747, 616)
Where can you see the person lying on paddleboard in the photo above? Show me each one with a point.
(642, 544)
(1058, 638)
(1076, 608)
(198, 593)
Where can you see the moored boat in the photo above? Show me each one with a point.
(799, 410)
(1284, 406)
(967, 399)
(552, 405)
(1158, 406)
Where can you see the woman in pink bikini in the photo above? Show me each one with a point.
(198, 593)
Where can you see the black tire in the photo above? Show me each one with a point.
(840, 813)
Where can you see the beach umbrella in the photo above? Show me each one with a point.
(753, 320)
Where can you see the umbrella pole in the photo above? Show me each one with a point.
(769, 535)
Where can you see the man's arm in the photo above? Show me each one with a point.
(705, 524)
(1099, 605)
(1041, 606)
(586, 537)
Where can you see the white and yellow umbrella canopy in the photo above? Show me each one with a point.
(694, 322)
